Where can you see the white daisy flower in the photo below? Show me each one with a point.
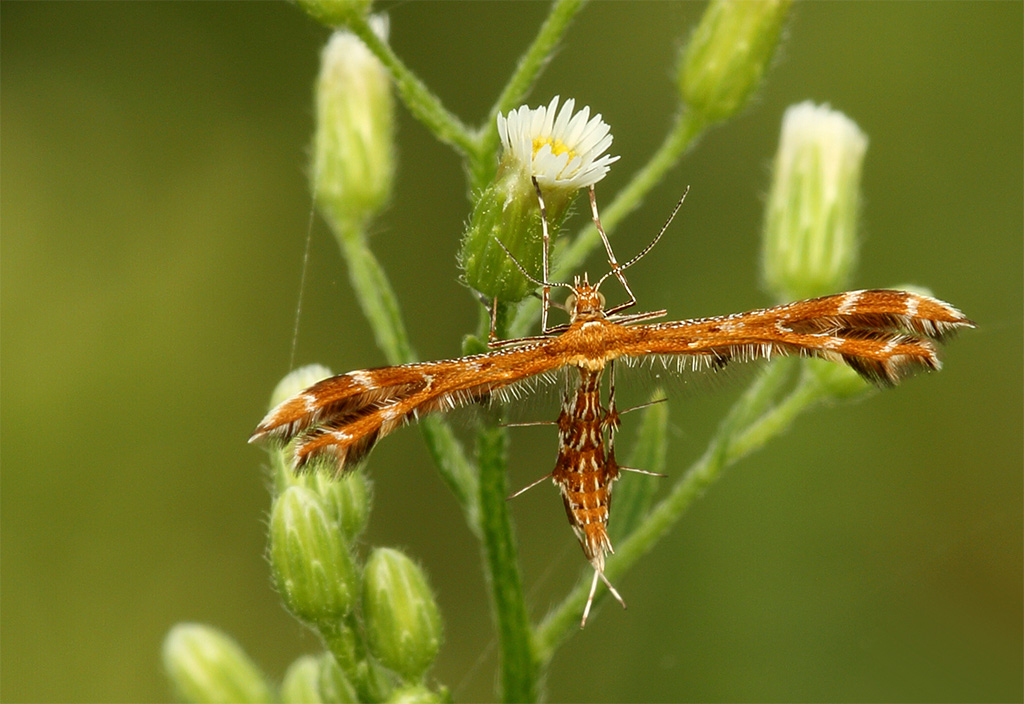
(564, 151)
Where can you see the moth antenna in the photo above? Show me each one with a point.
(664, 227)
(616, 268)
(522, 269)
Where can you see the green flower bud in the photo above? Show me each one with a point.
(313, 679)
(416, 694)
(471, 344)
(206, 665)
(727, 55)
(564, 152)
(301, 684)
(810, 239)
(346, 498)
(838, 381)
(403, 625)
(914, 288)
(353, 148)
(298, 380)
(311, 563)
(507, 211)
(333, 13)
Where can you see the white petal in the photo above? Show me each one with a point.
(531, 135)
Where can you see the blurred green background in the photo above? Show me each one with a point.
(155, 209)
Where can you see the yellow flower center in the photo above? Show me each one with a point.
(557, 147)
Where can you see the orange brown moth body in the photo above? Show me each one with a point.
(884, 335)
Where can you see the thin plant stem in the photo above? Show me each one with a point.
(423, 104)
(380, 306)
(501, 566)
(349, 651)
(375, 294)
(455, 468)
(807, 393)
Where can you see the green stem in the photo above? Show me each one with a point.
(376, 297)
(345, 642)
(530, 65)
(684, 133)
(770, 425)
(739, 434)
(380, 306)
(423, 104)
(450, 458)
(501, 560)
